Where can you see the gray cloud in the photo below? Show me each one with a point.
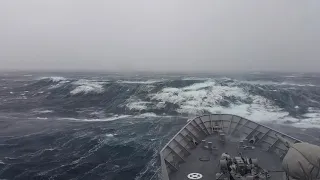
(166, 35)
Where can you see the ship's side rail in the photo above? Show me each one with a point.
(182, 144)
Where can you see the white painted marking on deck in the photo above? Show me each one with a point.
(194, 176)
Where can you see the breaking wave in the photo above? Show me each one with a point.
(266, 99)
(53, 78)
(84, 86)
(211, 97)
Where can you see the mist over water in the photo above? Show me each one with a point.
(112, 126)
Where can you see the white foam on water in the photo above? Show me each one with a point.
(296, 84)
(199, 95)
(42, 118)
(311, 123)
(54, 78)
(58, 85)
(276, 83)
(139, 105)
(151, 115)
(43, 111)
(195, 79)
(311, 120)
(88, 86)
(139, 82)
(110, 135)
(197, 86)
(146, 115)
(160, 105)
(206, 96)
(86, 81)
(116, 117)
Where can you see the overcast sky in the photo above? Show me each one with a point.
(160, 35)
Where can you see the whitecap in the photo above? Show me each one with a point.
(109, 135)
(139, 82)
(199, 95)
(145, 115)
(85, 89)
(43, 111)
(54, 78)
(197, 86)
(276, 83)
(58, 85)
(313, 115)
(150, 115)
(308, 123)
(140, 105)
(160, 105)
(42, 118)
(88, 86)
(97, 113)
(116, 117)
(49, 149)
(206, 97)
(195, 79)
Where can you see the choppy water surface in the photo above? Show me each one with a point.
(112, 126)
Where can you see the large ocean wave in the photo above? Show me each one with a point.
(260, 100)
(282, 100)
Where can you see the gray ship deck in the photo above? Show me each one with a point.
(185, 152)
(208, 169)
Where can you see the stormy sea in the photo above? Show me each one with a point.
(112, 125)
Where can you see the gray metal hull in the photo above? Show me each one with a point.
(185, 154)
